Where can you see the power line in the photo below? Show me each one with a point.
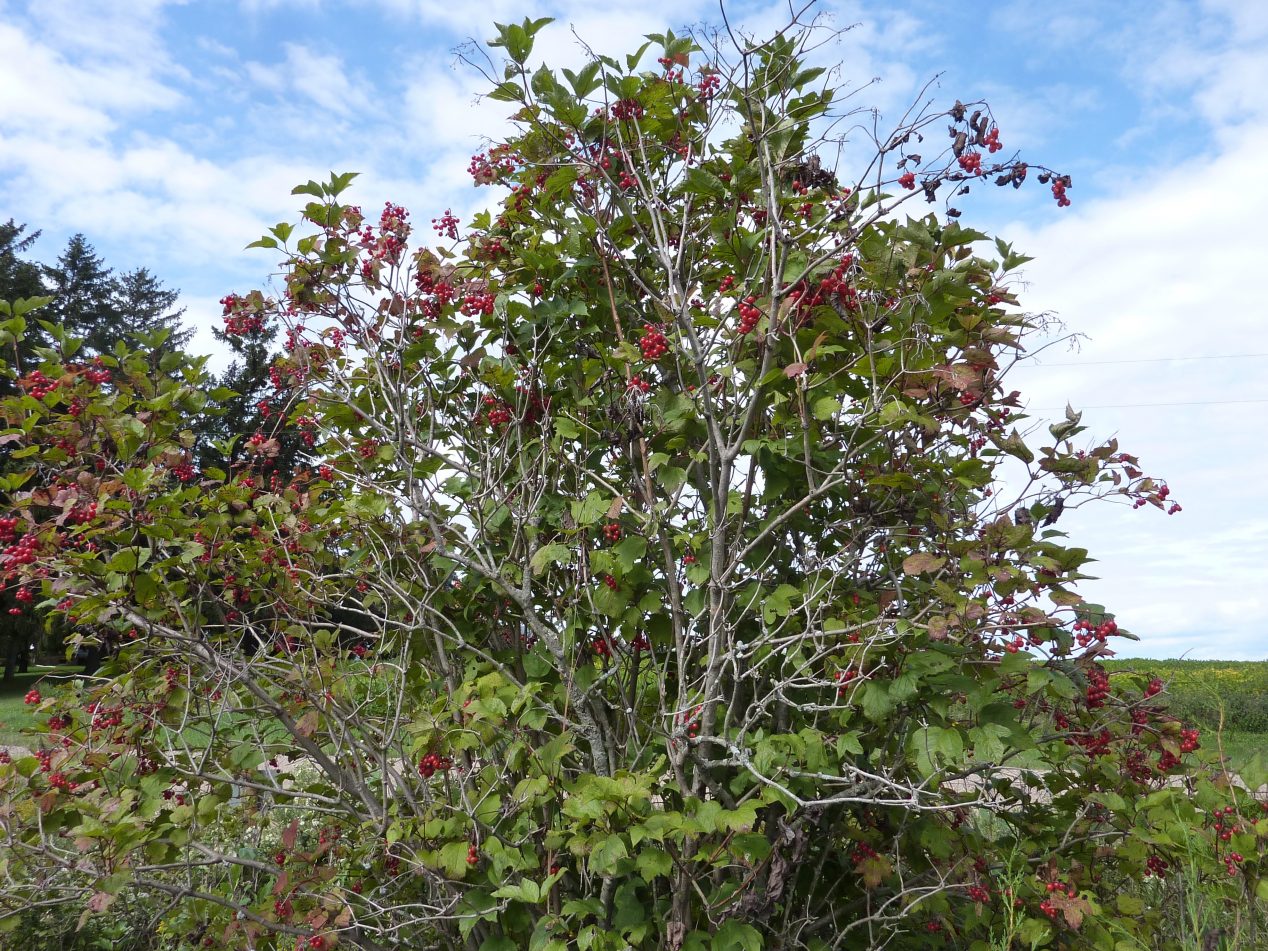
(1101, 363)
(1055, 409)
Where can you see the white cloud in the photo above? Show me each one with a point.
(1162, 271)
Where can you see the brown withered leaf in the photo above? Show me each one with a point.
(938, 627)
(614, 510)
(922, 562)
(794, 369)
(307, 724)
(814, 347)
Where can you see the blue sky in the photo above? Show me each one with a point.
(170, 133)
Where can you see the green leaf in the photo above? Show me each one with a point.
(554, 553)
(825, 407)
(734, 935)
(653, 862)
(605, 856)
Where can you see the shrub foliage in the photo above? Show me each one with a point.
(649, 581)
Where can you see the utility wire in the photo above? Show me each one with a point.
(1098, 363)
(1055, 409)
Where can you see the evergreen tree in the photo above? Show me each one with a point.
(83, 290)
(142, 305)
(19, 277)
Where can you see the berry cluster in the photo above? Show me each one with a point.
(971, 162)
(477, 303)
(844, 678)
(690, 721)
(750, 314)
(489, 167)
(1098, 687)
(638, 383)
(626, 109)
(473, 854)
(653, 344)
(32, 696)
(39, 386)
(434, 763)
(238, 320)
(907, 180)
(22, 553)
(1085, 632)
(612, 532)
(368, 448)
(446, 225)
(80, 515)
(496, 412)
(708, 87)
(1047, 906)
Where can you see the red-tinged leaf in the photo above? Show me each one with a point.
(794, 369)
(307, 724)
(288, 836)
(279, 886)
(922, 563)
(100, 901)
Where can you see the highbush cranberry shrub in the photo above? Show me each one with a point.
(649, 581)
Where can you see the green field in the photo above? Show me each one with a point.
(14, 714)
(1226, 699)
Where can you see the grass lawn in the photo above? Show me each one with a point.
(14, 714)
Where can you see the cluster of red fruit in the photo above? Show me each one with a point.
(1098, 687)
(691, 721)
(475, 304)
(496, 412)
(612, 532)
(708, 87)
(749, 315)
(1085, 631)
(653, 343)
(907, 180)
(498, 162)
(626, 109)
(240, 322)
(638, 383)
(32, 696)
(1059, 185)
(434, 763)
(844, 678)
(971, 162)
(446, 225)
(1047, 906)
(81, 514)
(368, 448)
(39, 386)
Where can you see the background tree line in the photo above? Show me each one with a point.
(107, 309)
